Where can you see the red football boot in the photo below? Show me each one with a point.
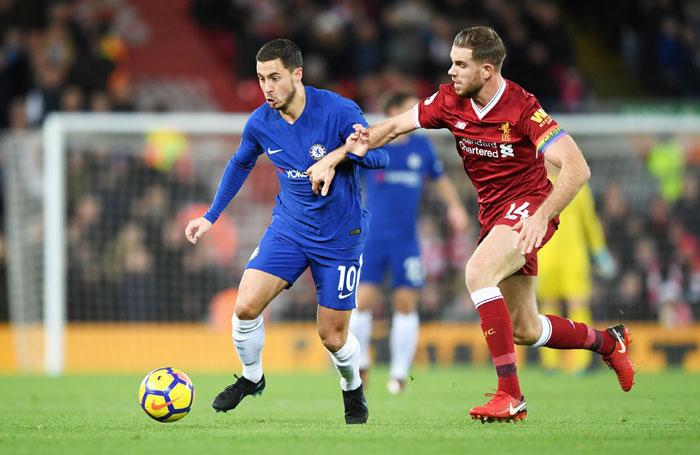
(619, 360)
(501, 408)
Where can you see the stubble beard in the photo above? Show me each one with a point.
(284, 106)
(471, 90)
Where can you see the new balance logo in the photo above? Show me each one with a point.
(460, 125)
(514, 410)
(272, 152)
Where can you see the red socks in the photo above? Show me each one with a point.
(498, 331)
(557, 333)
(562, 333)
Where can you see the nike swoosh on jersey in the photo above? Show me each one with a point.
(515, 410)
(342, 296)
(272, 152)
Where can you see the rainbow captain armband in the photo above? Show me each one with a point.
(549, 137)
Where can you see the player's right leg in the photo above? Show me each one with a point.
(256, 291)
(274, 265)
(495, 259)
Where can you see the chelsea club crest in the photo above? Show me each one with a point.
(317, 151)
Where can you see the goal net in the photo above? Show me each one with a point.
(101, 277)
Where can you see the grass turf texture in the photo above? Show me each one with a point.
(302, 413)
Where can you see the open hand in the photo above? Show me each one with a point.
(532, 231)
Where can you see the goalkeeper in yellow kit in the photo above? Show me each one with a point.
(565, 273)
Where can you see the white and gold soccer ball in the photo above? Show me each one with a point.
(166, 394)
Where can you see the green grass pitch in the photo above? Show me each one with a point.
(302, 413)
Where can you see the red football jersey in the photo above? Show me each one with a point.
(501, 145)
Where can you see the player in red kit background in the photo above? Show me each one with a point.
(503, 137)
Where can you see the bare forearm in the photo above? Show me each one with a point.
(572, 177)
(391, 128)
(382, 133)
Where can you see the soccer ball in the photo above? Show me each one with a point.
(166, 394)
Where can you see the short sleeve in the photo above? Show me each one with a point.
(428, 113)
(539, 126)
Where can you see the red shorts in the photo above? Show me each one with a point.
(510, 214)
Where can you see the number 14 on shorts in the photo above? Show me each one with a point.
(518, 213)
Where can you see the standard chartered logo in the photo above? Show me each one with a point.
(486, 148)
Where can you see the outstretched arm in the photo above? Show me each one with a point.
(322, 172)
(573, 174)
(358, 144)
(383, 132)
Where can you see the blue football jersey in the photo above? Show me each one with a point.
(336, 220)
(393, 194)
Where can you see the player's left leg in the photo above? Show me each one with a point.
(345, 353)
(578, 309)
(336, 283)
(550, 359)
(530, 328)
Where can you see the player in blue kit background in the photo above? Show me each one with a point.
(296, 127)
(393, 198)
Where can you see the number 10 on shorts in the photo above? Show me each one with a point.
(347, 278)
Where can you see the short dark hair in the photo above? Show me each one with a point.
(485, 44)
(396, 99)
(284, 49)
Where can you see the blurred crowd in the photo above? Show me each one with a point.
(658, 41)
(63, 56)
(73, 55)
(130, 197)
(128, 201)
(362, 48)
(655, 238)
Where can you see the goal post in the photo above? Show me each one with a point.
(56, 127)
